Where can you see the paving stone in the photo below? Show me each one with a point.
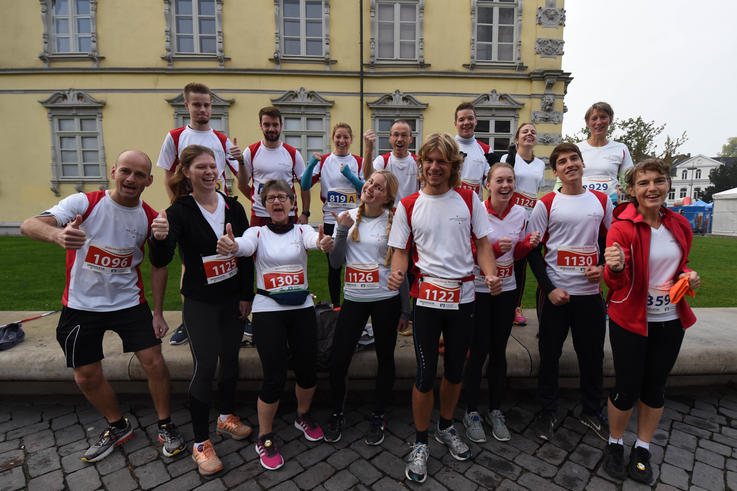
(83, 480)
(390, 464)
(288, 450)
(143, 456)
(217, 485)
(73, 462)
(137, 442)
(272, 478)
(388, 484)
(243, 473)
(369, 451)
(533, 481)
(524, 444)
(719, 448)
(725, 440)
(683, 440)
(503, 449)
(228, 445)
(453, 480)
(231, 461)
(190, 480)
(38, 441)
(365, 472)
(341, 481)
(9, 445)
(111, 463)
(599, 484)
(286, 486)
(73, 447)
(507, 485)
(533, 464)
(675, 476)
(69, 434)
(679, 457)
(499, 465)
(701, 423)
(11, 458)
(314, 475)
(483, 476)
(707, 477)
(731, 465)
(14, 478)
(342, 458)
(693, 430)
(551, 454)
(120, 480)
(630, 485)
(572, 476)
(42, 462)
(315, 455)
(64, 421)
(26, 430)
(430, 484)
(731, 480)
(665, 487)
(709, 457)
(248, 486)
(151, 475)
(586, 455)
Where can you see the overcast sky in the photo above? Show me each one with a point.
(672, 61)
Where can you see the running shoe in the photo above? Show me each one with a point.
(456, 447)
(171, 438)
(207, 461)
(307, 425)
(519, 318)
(375, 433)
(598, 424)
(474, 427)
(407, 331)
(334, 431)
(109, 439)
(614, 461)
(268, 454)
(499, 429)
(545, 424)
(416, 469)
(179, 336)
(247, 338)
(234, 428)
(639, 468)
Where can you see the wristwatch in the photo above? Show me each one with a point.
(306, 213)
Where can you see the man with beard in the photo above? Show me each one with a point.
(271, 159)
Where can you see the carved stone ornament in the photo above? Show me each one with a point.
(554, 117)
(549, 48)
(301, 97)
(549, 138)
(551, 17)
(398, 99)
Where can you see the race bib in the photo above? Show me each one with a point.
(526, 200)
(342, 198)
(576, 258)
(258, 186)
(505, 269)
(284, 279)
(604, 184)
(472, 184)
(362, 275)
(109, 260)
(438, 293)
(219, 268)
(658, 299)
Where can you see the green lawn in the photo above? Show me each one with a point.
(32, 275)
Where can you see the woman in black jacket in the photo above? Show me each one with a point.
(217, 290)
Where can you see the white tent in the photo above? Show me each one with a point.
(725, 213)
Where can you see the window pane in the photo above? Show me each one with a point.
(184, 25)
(506, 52)
(207, 45)
(61, 7)
(68, 155)
(384, 145)
(294, 141)
(482, 126)
(313, 28)
(483, 51)
(407, 32)
(386, 48)
(407, 13)
(506, 16)
(407, 49)
(92, 170)
(386, 32)
(314, 47)
(386, 13)
(83, 7)
(315, 142)
(506, 34)
(84, 44)
(69, 170)
(66, 125)
(291, 46)
(184, 7)
(292, 124)
(207, 7)
(207, 26)
(486, 15)
(291, 28)
(313, 10)
(483, 34)
(89, 156)
(503, 127)
(314, 124)
(185, 44)
(291, 8)
(385, 124)
(61, 26)
(89, 124)
(216, 123)
(62, 45)
(67, 143)
(89, 142)
(83, 25)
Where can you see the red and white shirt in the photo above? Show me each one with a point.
(336, 191)
(405, 169)
(529, 178)
(570, 227)
(282, 162)
(441, 228)
(475, 166)
(281, 262)
(180, 138)
(103, 275)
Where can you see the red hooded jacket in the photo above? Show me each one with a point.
(628, 289)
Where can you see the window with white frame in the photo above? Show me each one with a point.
(70, 30)
(683, 192)
(77, 150)
(697, 193)
(671, 195)
(495, 31)
(383, 126)
(302, 32)
(684, 174)
(305, 121)
(496, 115)
(496, 132)
(698, 173)
(396, 33)
(194, 30)
(391, 107)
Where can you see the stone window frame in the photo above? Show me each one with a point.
(48, 53)
(170, 34)
(493, 107)
(683, 193)
(305, 104)
(77, 105)
(684, 174)
(393, 106)
(671, 194)
(516, 61)
(419, 59)
(280, 57)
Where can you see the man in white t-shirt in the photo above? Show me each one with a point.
(269, 159)
(399, 161)
(573, 223)
(104, 233)
(475, 165)
(438, 224)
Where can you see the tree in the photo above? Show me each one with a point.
(729, 149)
(723, 177)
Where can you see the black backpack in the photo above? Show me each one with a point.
(327, 321)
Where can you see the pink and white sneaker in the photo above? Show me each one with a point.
(307, 425)
(269, 455)
(519, 318)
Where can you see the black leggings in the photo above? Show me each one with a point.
(214, 331)
(492, 325)
(584, 315)
(520, 275)
(457, 329)
(351, 321)
(285, 338)
(334, 282)
(642, 363)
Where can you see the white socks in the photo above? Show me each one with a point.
(645, 445)
(223, 417)
(618, 441)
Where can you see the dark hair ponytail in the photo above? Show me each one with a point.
(512, 153)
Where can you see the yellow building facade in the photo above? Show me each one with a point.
(82, 80)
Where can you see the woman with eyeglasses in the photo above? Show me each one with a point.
(284, 322)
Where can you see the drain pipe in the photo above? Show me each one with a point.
(360, 76)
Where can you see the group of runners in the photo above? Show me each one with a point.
(400, 225)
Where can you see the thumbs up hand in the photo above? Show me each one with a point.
(325, 242)
(71, 236)
(614, 257)
(160, 226)
(235, 151)
(227, 246)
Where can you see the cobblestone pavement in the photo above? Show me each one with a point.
(43, 437)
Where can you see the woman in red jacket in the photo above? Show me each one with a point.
(647, 251)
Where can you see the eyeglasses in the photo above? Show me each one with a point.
(281, 197)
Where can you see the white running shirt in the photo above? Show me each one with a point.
(405, 169)
(336, 191)
(662, 264)
(475, 167)
(528, 180)
(271, 163)
(602, 166)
